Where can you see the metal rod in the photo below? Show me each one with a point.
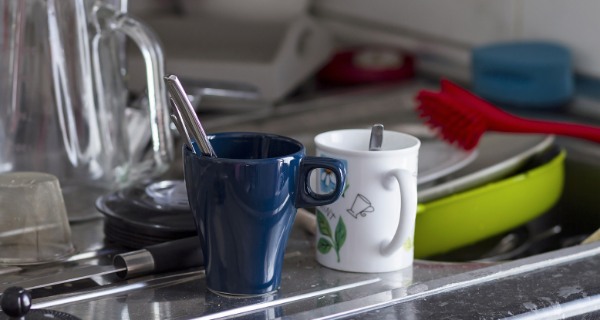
(182, 132)
(376, 138)
(188, 115)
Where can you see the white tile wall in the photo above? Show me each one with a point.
(574, 23)
(465, 23)
(461, 21)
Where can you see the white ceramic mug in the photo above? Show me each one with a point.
(371, 227)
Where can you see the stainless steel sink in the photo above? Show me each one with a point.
(552, 284)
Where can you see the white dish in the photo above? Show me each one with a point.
(438, 159)
(500, 154)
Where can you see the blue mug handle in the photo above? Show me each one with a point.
(305, 196)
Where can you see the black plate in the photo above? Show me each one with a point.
(135, 220)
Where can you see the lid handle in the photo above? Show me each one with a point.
(15, 302)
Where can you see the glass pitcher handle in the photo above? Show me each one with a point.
(147, 41)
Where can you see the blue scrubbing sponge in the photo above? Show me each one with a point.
(523, 74)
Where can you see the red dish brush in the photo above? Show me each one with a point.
(461, 118)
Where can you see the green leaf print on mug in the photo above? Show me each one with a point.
(323, 224)
(345, 188)
(340, 234)
(324, 245)
(408, 244)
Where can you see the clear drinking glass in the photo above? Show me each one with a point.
(33, 222)
(63, 97)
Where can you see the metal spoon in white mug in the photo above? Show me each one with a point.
(376, 138)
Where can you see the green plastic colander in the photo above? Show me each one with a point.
(474, 215)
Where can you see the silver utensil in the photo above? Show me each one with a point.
(164, 257)
(189, 119)
(176, 118)
(376, 138)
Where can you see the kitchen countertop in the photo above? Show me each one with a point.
(554, 284)
(543, 284)
(181, 295)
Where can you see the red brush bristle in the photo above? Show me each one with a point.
(455, 122)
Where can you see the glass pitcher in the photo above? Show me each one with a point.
(63, 97)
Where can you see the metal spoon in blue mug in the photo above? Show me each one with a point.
(189, 119)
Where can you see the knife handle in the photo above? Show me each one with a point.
(177, 255)
(164, 257)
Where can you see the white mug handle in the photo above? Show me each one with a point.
(408, 209)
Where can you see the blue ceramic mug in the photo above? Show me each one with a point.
(244, 204)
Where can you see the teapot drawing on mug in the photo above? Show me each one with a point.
(360, 206)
